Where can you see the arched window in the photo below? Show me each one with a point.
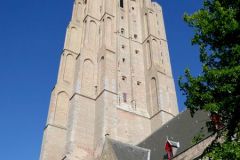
(92, 34)
(155, 49)
(148, 55)
(101, 74)
(88, 78)
(154, 96)
(69, 69)
(73, 40)
(61, 112)
(108, 30)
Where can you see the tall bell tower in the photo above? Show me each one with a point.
(114, 79)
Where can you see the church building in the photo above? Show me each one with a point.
(115, 91)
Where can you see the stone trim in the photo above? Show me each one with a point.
(63, 52)
(94, 99)
(55, 126)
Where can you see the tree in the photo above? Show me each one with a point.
(217, 88)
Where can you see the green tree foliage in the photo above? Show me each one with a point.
(217, 88)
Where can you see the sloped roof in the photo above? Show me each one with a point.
(116, 150)
(183, 128)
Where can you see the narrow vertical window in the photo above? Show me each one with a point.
(124, 97)
(121, 3)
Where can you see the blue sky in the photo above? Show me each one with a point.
(31, 40)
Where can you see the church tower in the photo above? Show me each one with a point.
(114, 79)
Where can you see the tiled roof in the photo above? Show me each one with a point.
(122, 151)
(183, 128)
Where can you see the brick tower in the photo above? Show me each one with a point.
(114, 79)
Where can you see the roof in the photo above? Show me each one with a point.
(116, 150)
(183, 128)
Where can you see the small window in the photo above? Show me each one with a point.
(135, 36)
(125, 97)
(123, 46)
(122, 30)
(138, 83)
(123, 60)
(124, 78)
(121, 3)
(136, 51)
